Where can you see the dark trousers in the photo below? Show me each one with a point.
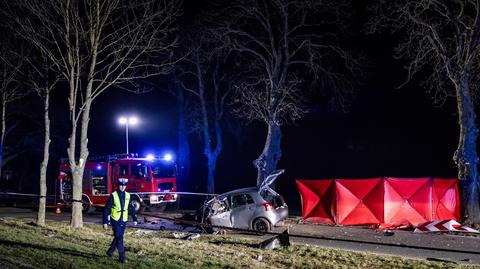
(117, 243)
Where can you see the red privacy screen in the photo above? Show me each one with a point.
(384, 201)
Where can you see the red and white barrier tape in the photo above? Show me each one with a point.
(443, 226)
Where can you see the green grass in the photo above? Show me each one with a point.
(24, 245)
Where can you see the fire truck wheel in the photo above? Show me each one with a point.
(86, 206)
(137, 205)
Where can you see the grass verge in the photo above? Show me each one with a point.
(24, 245)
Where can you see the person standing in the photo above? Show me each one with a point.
(118, 207)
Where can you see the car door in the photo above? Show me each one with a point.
(242, 211)
(220, 213)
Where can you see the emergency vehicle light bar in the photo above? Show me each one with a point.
(105, 157)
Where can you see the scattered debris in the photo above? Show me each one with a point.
(185, 236)
(220, 232)
(142, 232)
(259, 258)
(193, 236)
(390, 227)
(178, 235)
(388, 233)
(166, 224)
(276, 241)
(149, 221)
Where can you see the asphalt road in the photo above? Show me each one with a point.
(400, 243)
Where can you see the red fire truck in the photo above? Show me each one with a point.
(151, 181)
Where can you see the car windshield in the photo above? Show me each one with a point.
(163, 170)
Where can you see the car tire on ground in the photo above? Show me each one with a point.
(261, 225)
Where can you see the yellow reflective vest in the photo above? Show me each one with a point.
(116, 210)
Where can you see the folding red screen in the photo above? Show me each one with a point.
(384, 201)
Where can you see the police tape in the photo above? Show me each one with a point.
(314, 237)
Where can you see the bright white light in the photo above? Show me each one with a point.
(122, 120)
(150, 157)
(167, 157)
(133, 120)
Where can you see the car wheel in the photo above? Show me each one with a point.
(261, 225)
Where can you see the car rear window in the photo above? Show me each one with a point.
(276, 200)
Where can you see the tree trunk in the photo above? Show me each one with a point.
(44, 165)
(183, 145)
(77, 218)
(2, 137)
(466, 157)
(213, 157)
(266, 163)
(212, 165)
(207, 139)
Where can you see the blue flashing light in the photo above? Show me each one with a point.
(150, 157)
(99, 167)
(167, 157)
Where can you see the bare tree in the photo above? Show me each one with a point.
(284, 44)
(11, 63)
(95, 45)
(443, 37)
(202, 66)
(41, 84)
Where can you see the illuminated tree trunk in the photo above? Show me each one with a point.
(466, 156)
(77, 218)
(44, 165)
(271, 154)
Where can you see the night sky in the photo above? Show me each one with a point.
(385, 132)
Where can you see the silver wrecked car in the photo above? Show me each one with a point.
(257, 208)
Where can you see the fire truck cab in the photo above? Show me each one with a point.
(151, 181)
